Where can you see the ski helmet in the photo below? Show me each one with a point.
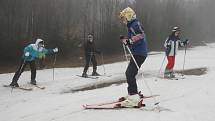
(127, 14)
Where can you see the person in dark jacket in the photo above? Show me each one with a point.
(136, 41)
(171, 47)
(31, 53)
(90, 51)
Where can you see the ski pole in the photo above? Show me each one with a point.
(103, 63)
(90, 61)
(185, 52)
(150, 91)
(53, 66)
(133, 57)
(161, 67)
(126, 56)
(162, 64)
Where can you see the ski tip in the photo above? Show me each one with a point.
(20, 87)
(84, 106)
(6, 86)
(157, 103)
(43, 88)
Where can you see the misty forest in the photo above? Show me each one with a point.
(66, 23)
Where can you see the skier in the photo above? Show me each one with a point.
(31, 52)
(171, 46)
(137, 43)
(90, 51)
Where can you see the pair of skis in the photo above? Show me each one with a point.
(90, 77)
(173, 78)
(113, 104)
(94, 77)
(26, 88)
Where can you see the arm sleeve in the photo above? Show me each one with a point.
(167, 43)
(138, 32)
(31, 56)
(47, 51)
(27, 49)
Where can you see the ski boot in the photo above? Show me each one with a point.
(14, 84)
(166, 76)
(131, 101)
(167, 73)
(33, 82)
(95, 74)
(172, 75)
(84, 75)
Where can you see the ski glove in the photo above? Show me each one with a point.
(186, 42)
(27, 54)
(55, 50)
(122, 37)
(125, 40)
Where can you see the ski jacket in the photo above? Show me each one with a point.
(90, 49)
(171, 45)
(35, 51)
(136, 34)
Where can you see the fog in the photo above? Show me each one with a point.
(65, 23)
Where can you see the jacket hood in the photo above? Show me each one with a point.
(38, 41)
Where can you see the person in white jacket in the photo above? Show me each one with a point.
(171, 47)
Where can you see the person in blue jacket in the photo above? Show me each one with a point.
(31, 52)
(136, 41)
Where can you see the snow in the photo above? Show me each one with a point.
(189, 99)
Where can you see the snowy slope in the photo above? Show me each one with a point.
(189, 99)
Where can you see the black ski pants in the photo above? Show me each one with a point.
(22, 68)
(90, 59)
(131, 72)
